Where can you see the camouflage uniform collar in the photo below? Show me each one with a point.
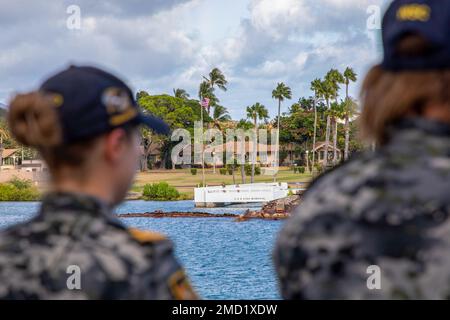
(68, 201)
(432, 127)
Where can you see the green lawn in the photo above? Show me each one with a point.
(185, 182)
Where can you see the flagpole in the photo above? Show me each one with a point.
(203, 152)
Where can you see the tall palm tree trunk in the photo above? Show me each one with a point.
(203, 153)
(314, 137)
(327, 138)
(243, 173)
(254, 151)
(347, 136)
(347, 124)
(335, 127)
(233, 168)
(278, 142)
(1, 150)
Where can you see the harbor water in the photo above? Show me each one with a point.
(223, 258)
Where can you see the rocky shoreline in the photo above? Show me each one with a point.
(273, 210)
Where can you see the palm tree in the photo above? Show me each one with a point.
(337, 111)
(335, 78)
(316, 86)
(244, 125)
(180, 93)
(220, 114)
(334, 116)
(350, 108)
(216, 78)
(256, 112)
(280, 93)
(350, 76)
(205, 91)
(326, 91)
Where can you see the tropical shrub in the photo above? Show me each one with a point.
(319, 167)
(7, 192)
(301, 169)
(161, 191)
(248, 170)
(194, 171)
(21, 183)
(223, 171)
(229, 168)
(21, 192)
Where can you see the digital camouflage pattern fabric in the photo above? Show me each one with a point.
(78, 232)
(387, 208)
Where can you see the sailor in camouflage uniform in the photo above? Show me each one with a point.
(115, 262)
(75, 248)
(385, 213)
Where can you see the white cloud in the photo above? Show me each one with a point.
(300, 59)
(268, 69)
(163, 44)
(276, 17)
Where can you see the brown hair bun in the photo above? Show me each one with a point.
(33, 120)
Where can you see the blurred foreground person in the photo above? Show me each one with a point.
(378, 226)
(85, 124)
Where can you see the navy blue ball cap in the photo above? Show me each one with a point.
(91, 101)
(429, 19)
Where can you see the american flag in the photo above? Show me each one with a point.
(205, 102)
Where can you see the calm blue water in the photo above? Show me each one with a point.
(224, 259)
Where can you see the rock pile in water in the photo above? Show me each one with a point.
(274, 210)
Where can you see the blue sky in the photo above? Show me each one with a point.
(159, 45)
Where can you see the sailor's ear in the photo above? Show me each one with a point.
(114, 143)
